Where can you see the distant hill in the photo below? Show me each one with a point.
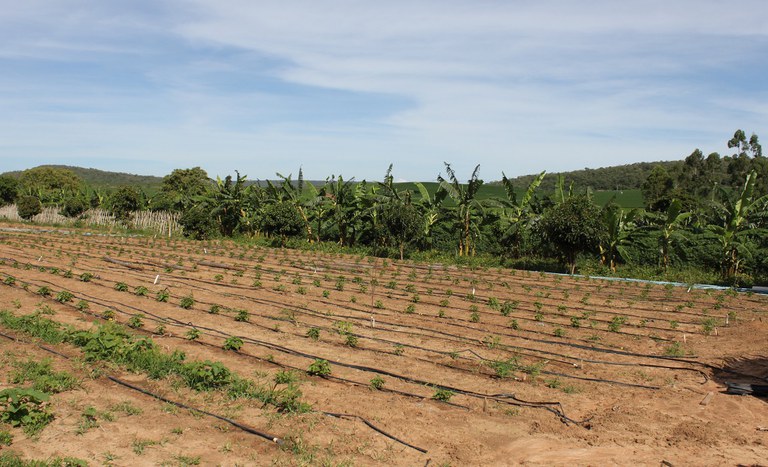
(619, 177)
(104, 179)
(624, 180)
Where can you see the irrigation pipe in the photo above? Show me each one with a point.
(234, 423)
(286, 350)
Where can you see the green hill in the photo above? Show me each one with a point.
(108, 180)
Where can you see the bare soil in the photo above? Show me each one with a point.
(605, 372)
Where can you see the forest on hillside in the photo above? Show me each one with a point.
(706, 213)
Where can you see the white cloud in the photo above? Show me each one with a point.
(518, 86)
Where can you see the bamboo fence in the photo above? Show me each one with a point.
(161, 222)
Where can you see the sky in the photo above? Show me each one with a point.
(343, 87)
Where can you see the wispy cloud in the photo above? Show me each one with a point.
(351, 86)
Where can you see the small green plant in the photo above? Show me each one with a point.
(82, 305)
(674, 350)
(319, 367)
(218, 277)
(25, 408)
(44, 291)
(121, 287)
(136, 321)
(443, 395)
(377, 383)
(193, 334)
(673, 324)
(187, 302)
(64, 296)
(708, 325)
(410, 309)
(575, 322)
(313, 333)
(10, 280)
(162, 295)
(399, 349)
(108, 315)
(233, 343)
(559, 332)
(504, 368)
(351, 340)
(214, 309)
(378, 304)
(86, 277)
(326, 293)
(6, 438)
(616, 323)
(242, 315)
(539, 316)
(514, 324)
(141, 291)
(474, 317)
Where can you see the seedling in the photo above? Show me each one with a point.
(319, 367)
(233, 343)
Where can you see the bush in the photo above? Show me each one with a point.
(28, 207)
(319, 367)
(198, 224)
(74, 206)
(206, 376)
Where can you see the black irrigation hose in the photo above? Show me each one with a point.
(469, 393)
(246, 428)
(268, 345)
(373, 427)
(234, 423)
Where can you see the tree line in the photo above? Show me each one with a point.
(711, 214)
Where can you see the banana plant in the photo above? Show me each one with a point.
(430, 207)
(617, 223)
(344, 198)
(670, 230)
(304, 200)
(469, 210)
(735, 226)
(516, 215)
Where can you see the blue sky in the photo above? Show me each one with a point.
(348, 87)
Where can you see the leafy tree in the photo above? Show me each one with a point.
(29, 206)
(9, 189)
(304, 198)
(657, 189)
(74, 206)
(49, 184)
(124, 201)
(282, 219)
(468, 208)
(573, 227)
(197, 223)
(403, 224)
(180, 187)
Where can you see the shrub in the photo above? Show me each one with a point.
(121, 287)
(64, 296)
(25, 408)
(28, 207)
(206, 375)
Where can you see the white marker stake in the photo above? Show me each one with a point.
(205, 250)
(156, 278)
(683, 338)
(39, 259)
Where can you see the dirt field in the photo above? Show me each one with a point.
(537, 369)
